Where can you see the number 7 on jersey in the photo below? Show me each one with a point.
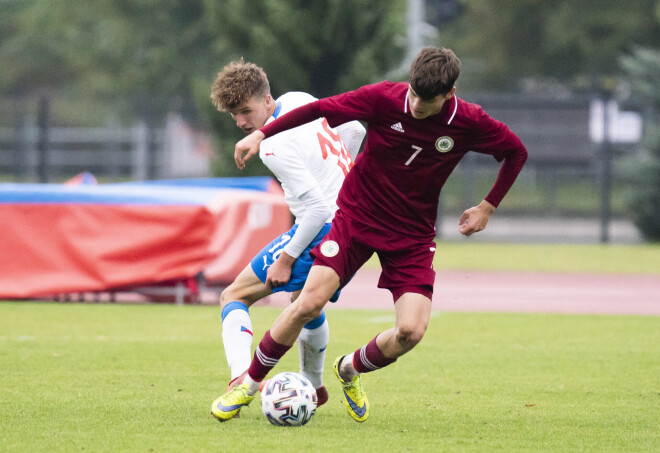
(417, 150)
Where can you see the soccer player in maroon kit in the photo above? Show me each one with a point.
(417, 132)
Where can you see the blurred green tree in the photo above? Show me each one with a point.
(322, 47)
(147, 57)
(134, 57)
(643, 67)
(575, 43)
(26, 55)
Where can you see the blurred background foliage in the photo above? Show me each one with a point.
(132, 59)
(642, 67)
(575, 43)
(145, 57)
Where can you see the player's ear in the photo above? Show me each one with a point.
(451, 93)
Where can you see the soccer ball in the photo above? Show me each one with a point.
(288, 399)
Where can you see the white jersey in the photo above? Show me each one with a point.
(311, 155)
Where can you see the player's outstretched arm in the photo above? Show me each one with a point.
(247, 148)
(475, 218)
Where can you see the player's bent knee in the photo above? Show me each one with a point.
(409, 337)
(226, 296)
(310, 314)
(306, 311)
(231, 294)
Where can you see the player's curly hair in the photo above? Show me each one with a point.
(237, 83)
(434, 72)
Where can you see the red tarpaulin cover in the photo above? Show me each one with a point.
(65, 239)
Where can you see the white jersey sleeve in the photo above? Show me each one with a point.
(352, 134)
(316, 211)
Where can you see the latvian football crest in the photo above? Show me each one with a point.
(330, 248)
(444, 144)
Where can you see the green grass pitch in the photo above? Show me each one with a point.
(108, 378)
(595, 258)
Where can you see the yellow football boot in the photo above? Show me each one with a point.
(355, 400)
(228, 405)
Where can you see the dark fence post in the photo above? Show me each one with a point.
(19, 158)
(113, 148)
(140, 151)
(470, 162)
(606, 174)
(42, 143)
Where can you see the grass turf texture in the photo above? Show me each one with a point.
(622, 259)
(84, 377)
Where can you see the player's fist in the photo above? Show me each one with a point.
(475, 219)
(279, 273)
(246, 148)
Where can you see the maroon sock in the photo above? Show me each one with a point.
(266, 356)
(369, 358)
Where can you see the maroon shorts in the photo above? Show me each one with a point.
(407, 265)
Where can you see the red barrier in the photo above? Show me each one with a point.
(51, 248)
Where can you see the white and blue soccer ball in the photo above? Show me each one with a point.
(288, 399)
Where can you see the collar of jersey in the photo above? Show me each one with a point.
(445, 111)
(278, 109)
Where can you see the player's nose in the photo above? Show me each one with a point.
(240, 121)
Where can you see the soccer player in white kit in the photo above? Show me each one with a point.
(310, 162)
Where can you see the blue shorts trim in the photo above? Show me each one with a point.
(300, 270)
(231, 306)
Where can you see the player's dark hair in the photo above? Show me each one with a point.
(434, 72)
(237, 83)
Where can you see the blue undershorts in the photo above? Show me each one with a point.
(267, 256)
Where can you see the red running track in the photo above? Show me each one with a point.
(515, 292)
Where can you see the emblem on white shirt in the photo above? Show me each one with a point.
(444, 144)
(397, 127)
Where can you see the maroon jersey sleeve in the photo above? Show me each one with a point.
(296, 117)
(509, 171)
(358, 105)
(495, 138)
(342, 108)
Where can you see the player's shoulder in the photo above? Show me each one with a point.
(387, 88)
(468, 112)
(294, 99)
(383, 95)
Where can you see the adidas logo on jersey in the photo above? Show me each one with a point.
(397, 127)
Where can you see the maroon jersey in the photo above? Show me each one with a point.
(394, 186)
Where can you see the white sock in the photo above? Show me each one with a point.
(346, 369)
(312, 344)
(237, 337)
(253, 386)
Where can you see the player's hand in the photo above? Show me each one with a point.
(475, 218)
(279, 273)
(247, 147)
